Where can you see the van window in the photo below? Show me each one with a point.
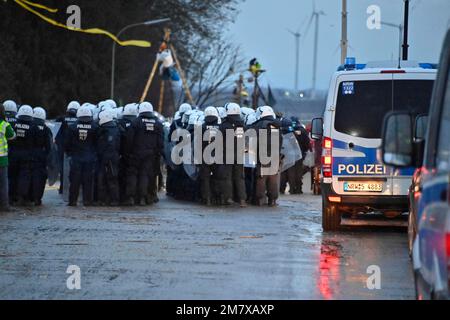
(362, 105)
(443, 150)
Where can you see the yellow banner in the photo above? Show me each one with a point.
(28, 4)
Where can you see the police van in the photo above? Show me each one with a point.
(354, 179)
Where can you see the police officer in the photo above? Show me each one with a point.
(41, 151)
(108, 146)
(22, 155)
(81, 146)
(250, 120)
(267, 178)
(297, 172)
(6, 135)
(10, 117)
(210, 130)
(69, 119)
(145, 147)
(129, 114)
(231, 172)
(10, 111)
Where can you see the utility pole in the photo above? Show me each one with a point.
(316, 44)
(405, 31)
(344, 39)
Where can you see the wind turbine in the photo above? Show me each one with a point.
(297, 36)
(315, 15)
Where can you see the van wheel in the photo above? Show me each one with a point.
(331, 217)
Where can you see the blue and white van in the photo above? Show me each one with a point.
(354, 179)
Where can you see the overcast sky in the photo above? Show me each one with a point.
(261, 27)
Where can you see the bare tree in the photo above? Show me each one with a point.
(212, 70)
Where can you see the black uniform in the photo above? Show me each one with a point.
(21, 159)
(210, 131)
(286, 127)
(81, 146)
(108, 146)
(124, 124)
(267, 184)
(41, 151)
(145, 142)
(66, 122)
(250, 173)
(174, 174)
(231, 176)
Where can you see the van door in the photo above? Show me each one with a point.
(361, 102)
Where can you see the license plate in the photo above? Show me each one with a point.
(363, 187)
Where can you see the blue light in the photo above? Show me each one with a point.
(350, 61)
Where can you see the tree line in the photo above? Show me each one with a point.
(43, 65)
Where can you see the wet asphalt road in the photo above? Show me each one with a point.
(178, 250)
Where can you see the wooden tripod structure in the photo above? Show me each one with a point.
(167, 34)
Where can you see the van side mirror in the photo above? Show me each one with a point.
(398, 143)
(420, 132)
(317, 129)
(421, 126)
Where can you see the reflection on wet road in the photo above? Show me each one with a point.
(178, 250)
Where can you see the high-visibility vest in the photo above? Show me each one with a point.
(3, 140)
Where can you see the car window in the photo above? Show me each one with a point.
(443, 149)
(362, 105)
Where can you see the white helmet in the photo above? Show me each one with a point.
(84, 111)
(39, 113)
(10, 106)
(211, 112)
(186, 116)
(185, 107)
(233, 109)
(111, 103)
(74, 105)
(119, 112)
(106, 116)
(250, 119)
(222, 112)
(104, 105)
(145, 107)
(177, 116)
(130, 109)
(25, 110)
(267, 111)
(246, 111)
(258, 112)
(194, 117)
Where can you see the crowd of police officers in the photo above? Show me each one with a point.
(113, 155)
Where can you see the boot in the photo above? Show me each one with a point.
(272, 203)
